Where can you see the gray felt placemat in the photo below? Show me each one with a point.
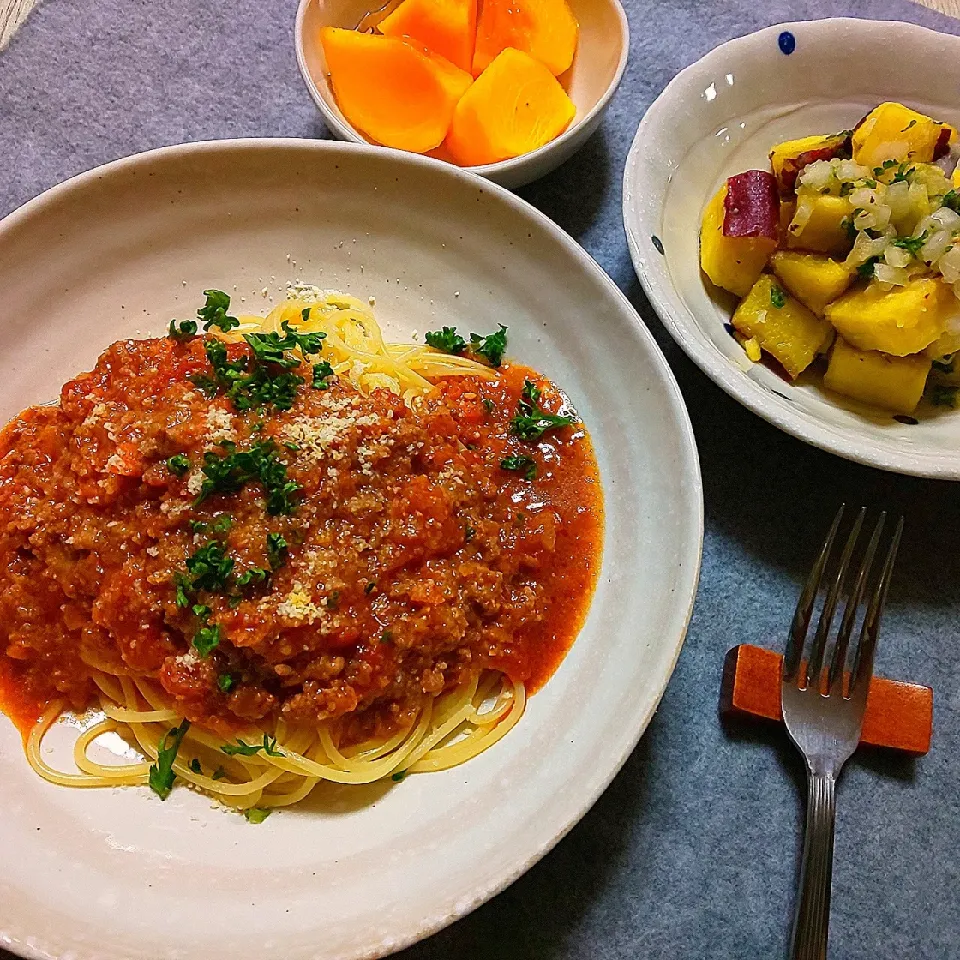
(691, 853)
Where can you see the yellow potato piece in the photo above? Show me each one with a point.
(893, 383)
(818, 224)
(895, 132)
(900, 321)
(733, 263)
(790, 333)
(813, 279)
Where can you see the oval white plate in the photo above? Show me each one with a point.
(359, 872)
(721, 116)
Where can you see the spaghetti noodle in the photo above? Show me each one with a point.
(398, 625)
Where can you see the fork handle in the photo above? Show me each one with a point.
(813, 905)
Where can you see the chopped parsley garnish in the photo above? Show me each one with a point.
(305, 314)
(201, 610)
(333, 601)
(182, 329)
(256, 814)
(942, 395)
(912, 123)
(214, 312)
(220, 524)
(230, 473)
(488, 405)
(531, 421)
(865, 270)
(244, 749)
(161, 773)
(272, 348)
(490, 347)
(276, 550)
(182, 583)
(178, 464)
(267, 377)
(447, 340)
(207, 639)
(195, 766)
(469, 534)
(322, 372)
(846, 189)
(777, 297)
(219, 773)
(209, 567)
(386, 636)
(399, 776)
(952, 200)
(849, 227)
(521, 464)
(903, 172)
(252, 577)
(911, 244)
(225, 682)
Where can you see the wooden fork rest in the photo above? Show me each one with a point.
(899, 715)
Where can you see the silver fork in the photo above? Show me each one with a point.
(822, 717)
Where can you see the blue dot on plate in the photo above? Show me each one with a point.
(787, 42)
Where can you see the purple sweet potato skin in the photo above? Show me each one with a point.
(751, 207)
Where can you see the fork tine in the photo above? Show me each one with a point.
(801, 616)
(853, 604)
(815, 663)
(870, 631)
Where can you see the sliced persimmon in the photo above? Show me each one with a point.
(513, 107)
(395, 92)
(546, 29)
(447, 27)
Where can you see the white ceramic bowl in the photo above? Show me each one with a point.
(721, 116)
(590, 83)
(359, 872)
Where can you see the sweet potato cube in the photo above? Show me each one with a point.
(813, 279)
(447, 27)
(791, 156)
(899, 321)
(895, 132)
(516, 105)
(546, 29)
(893, 383)
(818, 224)
(783, 326)
(393, 91)
(733, 263)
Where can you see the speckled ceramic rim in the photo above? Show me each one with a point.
(641, 170)
(504, 167)
(688, 504)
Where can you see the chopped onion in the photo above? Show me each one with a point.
(935, 246)
(895, 276)
(817, 175)
(896, 256)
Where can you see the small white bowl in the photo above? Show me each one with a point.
(721, 116)
(590, 83)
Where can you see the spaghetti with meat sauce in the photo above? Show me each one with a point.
(309, 586)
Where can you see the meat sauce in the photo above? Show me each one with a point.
(404, 560)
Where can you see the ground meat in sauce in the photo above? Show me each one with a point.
(413, 560)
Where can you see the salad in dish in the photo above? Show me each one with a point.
(845, 258)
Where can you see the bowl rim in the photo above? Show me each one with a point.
(345, 131)
(679, 319)
(688, 574)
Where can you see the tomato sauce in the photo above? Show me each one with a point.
(340, 559)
